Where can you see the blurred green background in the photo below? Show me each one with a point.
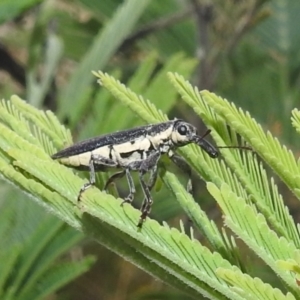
(247, 51)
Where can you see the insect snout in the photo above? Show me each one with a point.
(207, 147)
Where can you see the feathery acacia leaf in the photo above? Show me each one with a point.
(238, 183)
(252, 288)
(251, 174)
(144, 108)
(56, 187)
(253, 229)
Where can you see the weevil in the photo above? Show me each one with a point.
(138, 149)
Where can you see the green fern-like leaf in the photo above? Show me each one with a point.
(255, 232)
(252, 288)
(248, 199)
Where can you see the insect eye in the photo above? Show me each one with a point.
(182, 129)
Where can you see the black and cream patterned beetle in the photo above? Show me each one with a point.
(138, 149)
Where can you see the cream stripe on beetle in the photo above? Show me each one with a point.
(138, 149)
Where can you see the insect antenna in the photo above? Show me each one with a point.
(236, 147)
(212, 150)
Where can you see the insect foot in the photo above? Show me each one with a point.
(145, 209)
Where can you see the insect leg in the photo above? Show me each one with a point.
(183, 165)
(132, 190)
(129, 198)
(153, 177)
(120, 174)
(95, 160)
(146, 207)
(113, 177)
(144, 166)
(151, 183)
(149, 164)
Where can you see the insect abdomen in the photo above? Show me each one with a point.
(79, 160)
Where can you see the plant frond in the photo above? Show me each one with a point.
(56, 277)
(48, 247)
(36, 127)
(166, 253)
(251, 288)
(277, 156)
(217, 172)
(219, 241)
(44, 120)
(296, 119)
(56, 187)
(252, 228)
(148, 82)
(144, 108)
(141, 107)
(10, 258)
(250, 173)
(31, 250)
(173, 247)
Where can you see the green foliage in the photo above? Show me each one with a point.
(105, 113)
(251, 205)
(248, 52)
(10, 9)
(29, 263)
(103, 44)
(37, 87)
(29, 256)
(267, 58)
